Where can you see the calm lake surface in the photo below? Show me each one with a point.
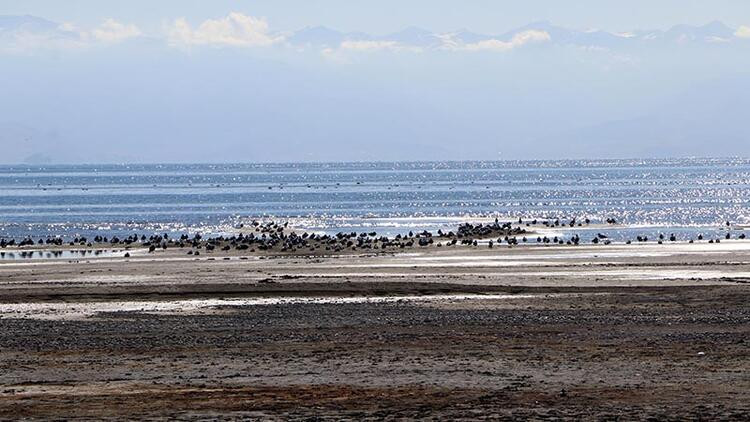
(684, 196)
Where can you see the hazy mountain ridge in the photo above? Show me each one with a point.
(12, 27)
(419, 37)
(26, 23)
(15, 27)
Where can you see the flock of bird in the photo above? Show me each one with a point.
(279, 237)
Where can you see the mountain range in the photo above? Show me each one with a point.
(13, 27)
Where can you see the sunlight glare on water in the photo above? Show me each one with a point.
(685, 196)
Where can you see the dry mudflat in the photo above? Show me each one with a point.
(628, 332)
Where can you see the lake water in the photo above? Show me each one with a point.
(684, 196)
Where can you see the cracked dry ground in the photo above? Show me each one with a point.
(676, 352)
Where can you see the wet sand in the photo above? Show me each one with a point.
(589, 332)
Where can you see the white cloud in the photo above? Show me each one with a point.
(346, 51)
(112, 31)
(335, 55)
(369, 45)
(66, 36)
(518, 40)
(448, 41)
(68, 27)
(743, 32)
(714, 39)
(236, 29)
(351, 46)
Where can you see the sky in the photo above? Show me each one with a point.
(199, 81)
(385, 16)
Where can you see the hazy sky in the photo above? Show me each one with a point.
(147, 81)
(493, 16)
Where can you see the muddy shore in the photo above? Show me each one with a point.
(626, 332)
